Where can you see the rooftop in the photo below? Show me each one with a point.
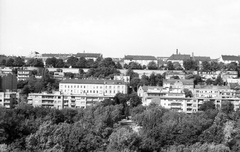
(184, 81)
(93, 81)
(139, 57)
(202, 58)
(179, 57)
(93, 55)
(231, 57)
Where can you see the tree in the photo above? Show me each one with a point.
(152, 80)
(144, 80)
(82, 63)
(131, 73)
(206, 66)
(69, 75)
(215, 66)
(227, 107)
(188, 93)
(59, 63)
(10, 62)
(3, 62)
(134, 65)
(190, 65)
(232, 66)
(209, 81)
(51, 62)
(119, 66)
(170, 66)
(107, 62)
(134, 82)
(89, 63)
(72, 61)
(207, 105)
(218, 81)
(18, 61)
(177, 66)
(159, 79)
(152, 65)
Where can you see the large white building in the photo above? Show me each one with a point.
(92, 87)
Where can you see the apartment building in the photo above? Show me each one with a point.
(92, 87)
(8, 99)
(59, 100)
(169, 74)
(213, 92)
(226, 59)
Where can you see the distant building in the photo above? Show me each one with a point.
(8, 83)
(142, 60)
(180, 58)
(169, 74)
(122, 78)
(178, 83)
(226, 59)
(87, 56)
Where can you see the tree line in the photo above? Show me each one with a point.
(100, 128)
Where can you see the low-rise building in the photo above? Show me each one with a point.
(142, 60)
(59, 100)
(170, 74)
(93, 87)
(122, 78)
(178, 83)
(87, 56)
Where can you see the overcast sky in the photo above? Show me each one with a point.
(120, 27)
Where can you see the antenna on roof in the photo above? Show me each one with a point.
(83, 51)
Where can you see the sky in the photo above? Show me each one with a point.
(120, 27)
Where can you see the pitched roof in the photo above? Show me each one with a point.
(54, 55)
(139, 57)
(93, 55)
(231, 57)
(180, 57)
(92, 81)
(202, 58)
(184, 81)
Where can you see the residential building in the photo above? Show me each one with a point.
(209, 75)
(226, 59)
(232, 80)
(210, 91)
(180, 58)
(178, 83)
(226, 75)
(142, 60)
(8, 99)
(59, 100)
(93, 87)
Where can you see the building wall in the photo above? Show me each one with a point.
(8, 83)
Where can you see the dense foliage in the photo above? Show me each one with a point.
(100, 128)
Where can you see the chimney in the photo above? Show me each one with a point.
(192, 54)
(176, 51)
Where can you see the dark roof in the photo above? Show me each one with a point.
(93, 55)
(55, 55)
(202, 58)
(139, 57)
(92, 81)
(184, 81)
(231, 57)
(180, 57)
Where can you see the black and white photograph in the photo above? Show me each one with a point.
(119, 76)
